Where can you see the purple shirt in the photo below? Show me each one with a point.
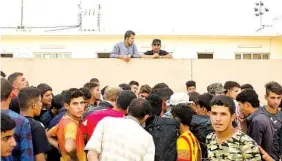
(121, 49)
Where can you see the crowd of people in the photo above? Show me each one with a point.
(133, 122)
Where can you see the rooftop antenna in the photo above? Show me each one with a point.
(260, 10)
(99, 18)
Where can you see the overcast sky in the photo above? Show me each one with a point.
(147, 16)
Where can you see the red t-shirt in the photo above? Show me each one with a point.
(90, 122)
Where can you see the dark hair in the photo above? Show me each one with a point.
(7, 123)
(204, 101)
(6, 89)
(164, 93)
(273, 87)
(103, 90)
(43, 87)
(94, 80)
(125, 86)
(222, 100)
(71, 94)
(159, 86)
(250, 96)
(128, 34)
(26, 95)
(124, 99)
(156, 41)
(86, 93)
(14, 105)
(14, 77)
(247, 86)
(89, 86)
(193, 96)
(156, 103)
(145, 89)
(139, 108)
(56, 101)
(183, 113)
(133, 83)
(3, 74)
(190, 83)
(231, 84)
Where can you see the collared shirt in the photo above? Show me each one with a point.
(122, 49)
(239, 147)
(122, 139)
(24, 149)
(261, 130)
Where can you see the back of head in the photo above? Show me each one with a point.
(222, 100)
(273, 87)
(124, 99)
(139, 108)
(71, 94)
(159, 86)
(86, 93)
(103, 90)
(3, 74)
(215, 88)
(163, 93)
(56, 101)
(94, 80)
(27, 95)
(249, 96)
(43, 87)
(231, 84)
(112, 93)
(89, 86)
(156, 103)
(193, 96)
(7, 123)
(13, 77)
(246, 86)
(183, 113)
(6, 89)
(204, 101)
(125, 86)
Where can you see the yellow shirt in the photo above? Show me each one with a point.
(188, 148)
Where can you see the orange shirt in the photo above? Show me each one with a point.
(68, 129)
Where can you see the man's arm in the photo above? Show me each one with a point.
(168, 56)
(26, 145)
(116, 52)
(50, 136)
(70, 140)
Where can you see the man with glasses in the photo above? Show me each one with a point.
(156, 51)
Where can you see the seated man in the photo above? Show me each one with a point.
(127, 49)
(156, 51)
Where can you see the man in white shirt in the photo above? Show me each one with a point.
(123, 139)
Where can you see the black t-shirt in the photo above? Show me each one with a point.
(161, 53)
(39, 138)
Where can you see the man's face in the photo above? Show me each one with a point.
(191, 89)
(273, 100)
(244, 108)
(134, 88)
(234, 92)
(130, 40)
(20, 83)
(199, 110)
(221, 118)
(143, 95)
(96, 93)
(37, 106)
(47, 98)
(156, 47)
(7, 143)
(76, 107)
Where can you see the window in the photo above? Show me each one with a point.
(254, 56)
(52, 55)
(7, 55)
(205, 55)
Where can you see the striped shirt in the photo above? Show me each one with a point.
(188, 148)
(121, 139)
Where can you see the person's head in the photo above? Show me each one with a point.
(103, 90)
(191, 86)
(17, 80)
(140, 109)
(216, 89)
(7, 135)
(46, 94)
(222, 113)
(273, 94)
(94, 89)
(30, 100)
(145, 91)
(156, 45)
(193, 96)
(3, 74)
(248, 100)
(94, 80)
(129, 37)
(125, 86)
(232, 89)
(56, 104)
(6, 91)
(124, 100)
(159, 86)
(203, 106)
(164, 94)
(86, 96)
(156, 103)
(74, 102)
(182, 113)
(246, 86)
(134, 86)
(112, 93)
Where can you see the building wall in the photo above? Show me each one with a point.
(64, 74)
(181, 46)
